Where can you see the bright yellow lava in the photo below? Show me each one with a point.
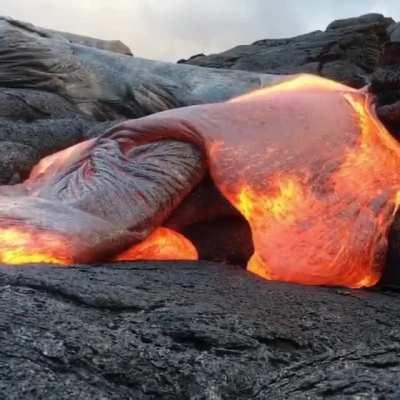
(24, 247)
(281, 204)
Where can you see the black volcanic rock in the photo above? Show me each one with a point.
(385, 83)
(23, 144)
(394, 32)
(348, 51)
(115, 46)
(64, 84)
(16, 161)
(106, 85)
(191, 330)
(360, 373)
(29, 105)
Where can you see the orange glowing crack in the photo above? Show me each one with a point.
(162, 244)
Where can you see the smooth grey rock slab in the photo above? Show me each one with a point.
(107, 85)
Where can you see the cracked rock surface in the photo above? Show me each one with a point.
(191, 331)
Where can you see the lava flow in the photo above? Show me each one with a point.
(32, 246)
(306, 162)
(318, 183)
(162, 244)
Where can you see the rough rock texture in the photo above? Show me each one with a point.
(191, 331)
(115, 46)
(386, 85)
(347, 51)
(360, 373)
(23, 144)
(34, 124)
(107, 85)
(65, 86)
(29, 105)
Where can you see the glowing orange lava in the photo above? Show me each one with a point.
(306, 162)
(31, 246)
(58, 161)
(162, 244)
(319, 183)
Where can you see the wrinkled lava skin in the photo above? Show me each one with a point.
(306, 162)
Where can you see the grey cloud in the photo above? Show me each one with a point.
(172, 29)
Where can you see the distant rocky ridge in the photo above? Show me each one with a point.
(356, 51)
(348, 51)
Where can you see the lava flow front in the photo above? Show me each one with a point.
(318, 181)
(162, 244)
(306, 162)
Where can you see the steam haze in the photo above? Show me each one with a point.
(173, 29)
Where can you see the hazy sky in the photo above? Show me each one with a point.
(173, 29)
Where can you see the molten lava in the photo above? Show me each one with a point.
(306, 162)
(320, 209)
(317, 177)
(31, 246)
(162, 244)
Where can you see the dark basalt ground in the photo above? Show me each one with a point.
(191, 330)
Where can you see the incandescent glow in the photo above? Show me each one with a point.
(57, 161)
(281, 204)
(300, 83)
(306, 162)
(30, 246)
(319, 185)
(162, 244)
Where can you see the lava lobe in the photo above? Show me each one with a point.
(305, 162)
